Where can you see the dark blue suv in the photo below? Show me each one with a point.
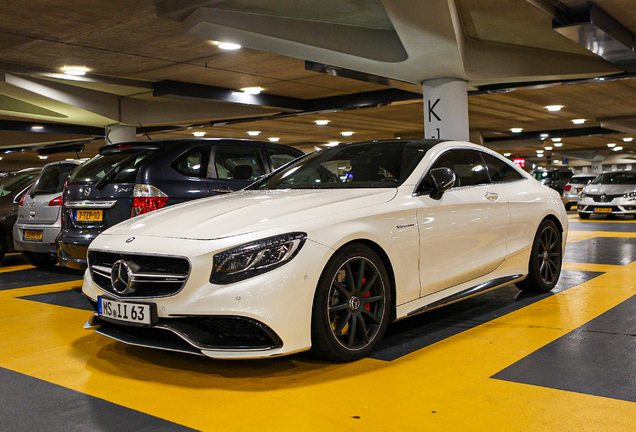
(129, 179)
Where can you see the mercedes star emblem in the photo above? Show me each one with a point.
(121, 277)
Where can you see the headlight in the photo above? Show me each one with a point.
(251, 259)
(630, 195)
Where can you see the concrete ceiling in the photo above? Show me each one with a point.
(130, 45)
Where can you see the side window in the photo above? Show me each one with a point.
(280, 157)
(500, 171)
(467, 165)
(191, 163)
(233, 163)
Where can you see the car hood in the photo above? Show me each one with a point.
(609, 189)
(248, 211)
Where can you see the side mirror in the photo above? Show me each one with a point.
(443, 179)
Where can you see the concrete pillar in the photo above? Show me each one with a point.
(116, 133)
(446, 109)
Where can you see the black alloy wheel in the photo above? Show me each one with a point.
(546, 258)
(351, 306)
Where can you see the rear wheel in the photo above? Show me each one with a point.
(41, 260)
(545, 259)
(584, 215)
(351, 305)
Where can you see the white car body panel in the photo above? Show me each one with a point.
(465, 238)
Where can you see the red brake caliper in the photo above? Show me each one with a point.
(367, 294)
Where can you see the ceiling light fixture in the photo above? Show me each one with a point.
(346, 133)
(506, 154)
(254, 133)
(198, 134)
(516, 130)
(578, 121)
(75, 70)
(228, 46)
(333, 143)
(274, 139)
(558, 144)
(610, 145)
(544, 135)
(619, 148)
(629, 139)
(37, 128)
(548, 148)
(556, 139)
(252, 90)
(554, 107)
(322, 122)
(43, 157)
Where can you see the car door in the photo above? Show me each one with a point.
(463, 234)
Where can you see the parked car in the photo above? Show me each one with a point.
(574, 187)
(611, 193)
(130, 179)
(554, 178)
(325, 252)
(40, 214)
(11, 186)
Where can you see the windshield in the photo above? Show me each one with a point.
(619, 178)
(582, 179)
(96, 168)
(52, 179)
(15, 183)
(365, 165)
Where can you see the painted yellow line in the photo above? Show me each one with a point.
(446, 386)
(15, 268)
(574, 236)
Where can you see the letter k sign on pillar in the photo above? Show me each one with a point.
(445, 109)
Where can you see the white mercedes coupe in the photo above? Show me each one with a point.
(325, 252)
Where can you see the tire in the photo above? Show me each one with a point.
(545, 259)
(351, 306)
(584, 215)
(40, 260)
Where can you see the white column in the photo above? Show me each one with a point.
(446, 109)
(116, 133)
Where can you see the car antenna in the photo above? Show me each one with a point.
(145, 132)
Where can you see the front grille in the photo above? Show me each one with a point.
(608, 198)
(156, 276)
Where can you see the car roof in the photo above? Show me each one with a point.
(169, 142)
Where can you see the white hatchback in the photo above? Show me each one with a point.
(323, 253)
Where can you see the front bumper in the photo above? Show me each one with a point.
(46, 245)
(271, 312)
(618, 206)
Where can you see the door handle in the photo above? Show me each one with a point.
(491, 196)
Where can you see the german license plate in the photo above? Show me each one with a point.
(602, 210)
(32, 235)
(122, 311)
(89, 215)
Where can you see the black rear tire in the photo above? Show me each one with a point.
(352, 304)
(584, 215)
(40, 260)
(546, 257)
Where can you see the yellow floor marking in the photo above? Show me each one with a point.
(574, 236)
(15, 268)
(573, 218)
(590, 267)
(446, 386)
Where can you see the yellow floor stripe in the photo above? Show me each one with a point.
(15, 268)
(446, 386)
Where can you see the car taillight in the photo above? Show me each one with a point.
(147, 198)
(56, 201)
(568, 187)
(22, 199)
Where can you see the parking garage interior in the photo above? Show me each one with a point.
(548, 84)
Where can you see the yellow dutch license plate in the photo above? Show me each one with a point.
(602, 210)
(32, 235)
(89, 215)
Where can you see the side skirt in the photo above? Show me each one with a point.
(469, 292)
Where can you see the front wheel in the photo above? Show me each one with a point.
(351, 305)
(545, 259)
(40, 260)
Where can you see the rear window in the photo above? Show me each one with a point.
(126, 166)
(14, 184)
(52, 179)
